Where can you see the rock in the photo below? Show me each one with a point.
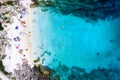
(56, 77)
(36, 73)
(77, 70)
(76, 73)
(89, 9)
(37, 60)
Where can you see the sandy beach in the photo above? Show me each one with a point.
(20, 38)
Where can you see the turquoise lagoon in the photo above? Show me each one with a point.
(73, 41)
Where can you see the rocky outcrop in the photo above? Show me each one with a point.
(36, 73)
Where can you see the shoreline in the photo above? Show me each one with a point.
(24, 49)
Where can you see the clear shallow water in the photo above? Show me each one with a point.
(75, 42)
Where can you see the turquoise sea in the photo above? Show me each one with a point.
(74, 42)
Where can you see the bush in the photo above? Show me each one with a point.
(1, 28)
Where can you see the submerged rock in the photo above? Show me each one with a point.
(76, 73)
(89, 9)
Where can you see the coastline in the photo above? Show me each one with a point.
(32, 36)
(40, 43)
(22, 47)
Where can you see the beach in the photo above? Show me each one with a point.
(69, 45)
(23, 38)
(20, 39)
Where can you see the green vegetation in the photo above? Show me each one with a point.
(1, 28)
(3, 56)
(9, 3)
(2, 68)
(4, 18)
(37, 60)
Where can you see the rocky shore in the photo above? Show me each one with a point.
(25, 72)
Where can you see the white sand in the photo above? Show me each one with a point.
(3, 77)
(13, 56)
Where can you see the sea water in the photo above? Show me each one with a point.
(73, 41)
